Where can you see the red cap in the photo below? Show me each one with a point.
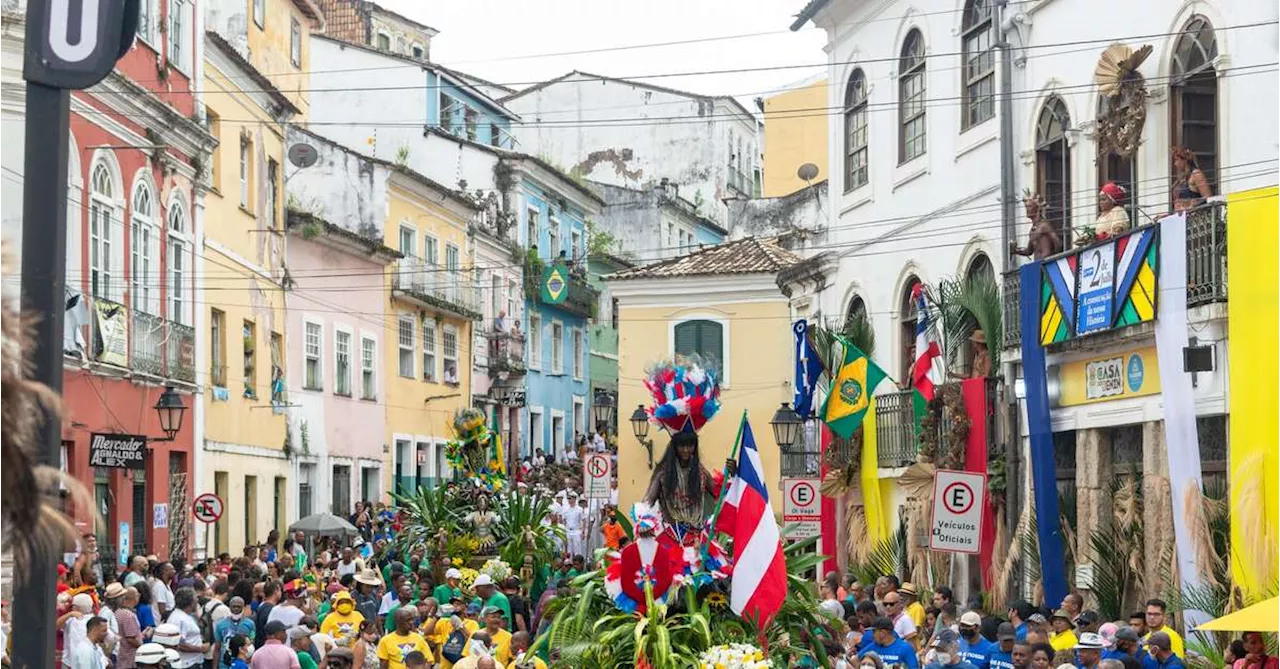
(1114, 192)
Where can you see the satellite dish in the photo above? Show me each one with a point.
(304, 155)
(807, 172)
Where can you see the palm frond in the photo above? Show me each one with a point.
(980, 296)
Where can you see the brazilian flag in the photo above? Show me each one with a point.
(850, 394)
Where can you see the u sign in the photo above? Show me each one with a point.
(75, 43)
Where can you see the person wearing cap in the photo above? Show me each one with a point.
(275, 652)
(972, 646)
(911, 598)
(300, 642)
(404, 639)
(1160, 654)
(945, 652)
(1089, 650)
(888, 646)
(237, 623)
(451, 586)
(365, 593)
(343, 622)
(1002, 654)
(1156, 622)
(110, 604)
(499, 640)
(487, 594)
(289, 612)
(1087, 621)
(339, 658)
(1064, 635)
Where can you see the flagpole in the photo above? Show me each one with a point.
(724, 485)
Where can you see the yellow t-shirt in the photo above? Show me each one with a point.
(533, 659)
(501, 642)
(1175, 642)
(1065, 641)
(342, 627)
(394, 646)
(441, 634)
(916, 613)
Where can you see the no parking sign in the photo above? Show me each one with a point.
(956, 525)
(801, 508)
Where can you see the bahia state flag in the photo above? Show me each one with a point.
(850, 393)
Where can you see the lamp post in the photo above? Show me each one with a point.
(171, 411)
(602, 410)
(786, 426)
(640, 428)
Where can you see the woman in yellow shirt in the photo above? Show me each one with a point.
(1064, 636)
(343, 623)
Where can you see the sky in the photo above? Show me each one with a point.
(506, 41)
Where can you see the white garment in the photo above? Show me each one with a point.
(75, 635)
(217, 611)
(85, 656)
(74, 320)
(904, 625)
(288, 614)
(344, 568)
(324, 643)
(113, 627)
(598, 442)
(160, 594)
(189, 635)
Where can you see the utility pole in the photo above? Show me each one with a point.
(54, 65)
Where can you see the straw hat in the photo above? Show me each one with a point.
(978, 337)
(368, 577)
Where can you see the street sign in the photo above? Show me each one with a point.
(597, 470)
(801, 508)
(207, 508)
(956, 524)
(118, 451)
(74, 44)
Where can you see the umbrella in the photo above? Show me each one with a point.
(1261, 617)
(325, 525)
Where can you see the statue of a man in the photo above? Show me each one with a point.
(681, 487)
(481, 521)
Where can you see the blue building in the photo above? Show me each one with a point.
(552, 215)
(462, 109)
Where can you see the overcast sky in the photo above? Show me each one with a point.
(494, 39)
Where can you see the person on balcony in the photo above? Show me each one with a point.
(500, 322)
(1112, 218)
(1044, 240)
(451, 375)
(1191, 187)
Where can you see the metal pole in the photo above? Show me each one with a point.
(44, 259)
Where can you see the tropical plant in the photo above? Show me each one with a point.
(889, 556)
(429, 513)
(965, 305)
(522, 531)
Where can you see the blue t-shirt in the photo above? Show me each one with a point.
(146, 617)
(962, 664)
(977, 653)
(1000, 659)
(239, 664)
(1150, 662)
(867, 640)
(898, 652)
(226, 628)
(1020, 633)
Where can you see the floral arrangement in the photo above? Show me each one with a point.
(475, 449)
(734, 656)
(686, 394)
(468, 577)
(460, 547)
(497, 570)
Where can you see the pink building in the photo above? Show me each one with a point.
(337, 325)
(499, 364)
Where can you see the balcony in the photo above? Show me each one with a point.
(147, 345)
(429, 286)
(801, 463)
(506, 354)
(1206, 267)
(897, 442)
(181, 347)
(740, 182)
(581, 300)
(133, 342)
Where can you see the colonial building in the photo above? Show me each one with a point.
(794, 133)
(370, 24)
(654, 222)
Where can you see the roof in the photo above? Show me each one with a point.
(516, 155)
(749, 255)
(401, 17)
(257, 77)
(810, 8)
(295, 219)
(476, 81)
(310, 9)
(629, 82)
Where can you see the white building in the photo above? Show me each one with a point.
(633, 134)
(916, 190)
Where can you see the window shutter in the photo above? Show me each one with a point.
(712, 341)
(686, 337)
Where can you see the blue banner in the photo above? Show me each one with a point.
(808, 368)
(1053, 562)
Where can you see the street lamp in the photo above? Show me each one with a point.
(171, 410)
(640, 428)
(786, 426)
(602, 410)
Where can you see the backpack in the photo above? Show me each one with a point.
(206, 619)
(454, 645)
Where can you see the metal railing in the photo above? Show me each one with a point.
(506, 352)
(182, 352)
(897, 442)
(1009, 298)
(801, 463)
(1207, 254)
(147, 345)
(430, 284)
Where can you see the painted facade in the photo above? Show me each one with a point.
(369, 24)
(795, 133)
(654, 222)
(499, 342)
(603, 343)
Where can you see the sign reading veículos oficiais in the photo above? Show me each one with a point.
(956, 524)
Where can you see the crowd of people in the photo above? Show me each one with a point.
(891, 626)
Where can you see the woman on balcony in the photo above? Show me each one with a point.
(1191, 187)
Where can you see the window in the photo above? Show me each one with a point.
(277, 371)
(341, 363)
(577, 354)
(535, 341)
(911, 102)
(575, 250)
(215, 164)
(537, 438)
(471, 118)
(432, 248)
(178, 298)
(855, 131)
(177, 34)
(384, 42)
(495, 135)
(558, 441)
(246, 149)
(557, 347)
(145, 251)
(368, 363)
(273, 192)
(700, 337)
(428, 349)
(495, 297)
(671, 235)
(306, 473)
(312, 345)
(250, 334)
(450, 355)
(553, 237)
(511, 298)
(1194, 96)
(579, 415)
(295, 42)
(448, 106)
(146, 16)
(417, 51)
(218, 349)
(341, 504)
(907, 327)
(102, 262)
(857, 312)
(453, 266)
(260, 13)
(531, 226)
(979, 64)
(1053, 164)
(405, 340)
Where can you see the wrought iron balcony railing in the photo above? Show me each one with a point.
(801, 463)
(430, 286)
(181, 348)
(506, 353)
(147, 345)
(897, 441)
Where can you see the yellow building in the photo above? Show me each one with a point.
(722, 302)
(795, 133)
(279, 36)
(244, 460)
(433, 303)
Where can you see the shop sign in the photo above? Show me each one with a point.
(1126, 374)
(118, 451)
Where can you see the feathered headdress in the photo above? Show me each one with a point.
(686, 394)
(646, 518)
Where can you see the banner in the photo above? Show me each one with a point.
(1104, 378)
(872, 504)
(555, 283)
(111, 333)
(1103, 286)
(974, 393)
(808, 369)
(1179, 403)
(1053, 568)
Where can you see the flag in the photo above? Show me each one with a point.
(808, 368)
(850, 393)
(759, 583)
(925, 375)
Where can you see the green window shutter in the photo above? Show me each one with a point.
(706, 338)
(687, 337)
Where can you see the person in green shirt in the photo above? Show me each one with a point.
(487, 594)
(449, 589)
(300, 642)
(404, 597)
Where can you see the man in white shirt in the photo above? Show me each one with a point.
(161, 596)
(289, 612)
(87, 652)
(217, 609)
(598, 442)
(191, 645)
(613, 491)
(75, 630)
(350, 564)
(111, 602)
(573, 519)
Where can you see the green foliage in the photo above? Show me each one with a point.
(520, 524)
(428, 511)
(889, 556)
(965, 305)
(600, 242)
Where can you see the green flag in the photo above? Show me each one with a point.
(850, 392)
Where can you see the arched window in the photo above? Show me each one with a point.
(979, 64)
(144, 246)
(1194, 95)
(907, 326)
(701, 337)
(1112, 166)
(911, 90)
(980, 268)
(855, 131)
(1053, 163)
(857, 311)
(103, 268)
(179, 265)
